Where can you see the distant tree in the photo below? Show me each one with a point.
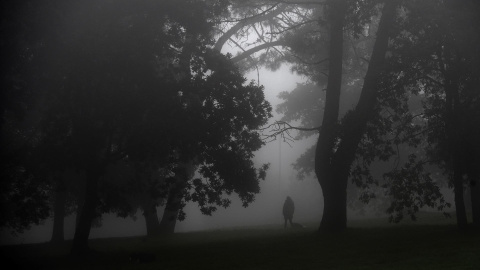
(441, 59)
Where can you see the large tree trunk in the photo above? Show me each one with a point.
(173, 206)
(453, 131)
(174, 202)
(334, 214)
(332, 167)
(459, 200)
(169, 219)
(87, 214)
(151, 218)
(59, 209)
(453, 116)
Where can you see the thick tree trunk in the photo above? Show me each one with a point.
(59, 210)
(454, 139)
(151, 219)
(87, 214)
(459, 201)
(335, 206)
(169, 220)
(174, 202)
(331, 188)
(172, 208)
(333, 167)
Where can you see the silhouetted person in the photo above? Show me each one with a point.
(288, 209)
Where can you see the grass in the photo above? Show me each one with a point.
(365, 245)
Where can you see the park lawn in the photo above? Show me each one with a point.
(272, 247)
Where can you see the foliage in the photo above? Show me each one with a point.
(131, 83)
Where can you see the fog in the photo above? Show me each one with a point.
(281, 181)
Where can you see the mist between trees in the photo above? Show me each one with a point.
(119, 107)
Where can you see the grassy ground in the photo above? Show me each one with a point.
(366, 245)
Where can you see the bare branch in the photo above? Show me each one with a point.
(282, 128)
(247, 21)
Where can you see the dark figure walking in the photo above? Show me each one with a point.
(288, 209)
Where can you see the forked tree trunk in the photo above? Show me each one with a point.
(59, 210)
(173, 206)
(335, 155)
(169, 220)
(151, 219)
(174, 202)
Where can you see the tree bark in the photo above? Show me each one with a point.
(474, 184)
(151, 218)
(461, 214)
(59, 210)
(87, 214)
(453, 132)
(333, 212)
(174, 202)
(169, 219)
(173, 206)
(335, 155)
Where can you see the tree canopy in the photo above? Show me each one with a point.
(140, 82)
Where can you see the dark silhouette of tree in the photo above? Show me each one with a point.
(441, 64)
(337, 144)
(139, 83)
(25, 185)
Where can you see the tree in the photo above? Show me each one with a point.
(25, 185)
(444, 68)
(140, 83)
(336, 147)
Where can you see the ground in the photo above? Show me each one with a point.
(365, 245)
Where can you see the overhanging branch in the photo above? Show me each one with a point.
(258, 48)
(282, 128)
(251, 20)
(293, 2)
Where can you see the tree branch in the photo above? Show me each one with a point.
(258, 48)
(293, 2)
(247, 21)
(282, 128)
